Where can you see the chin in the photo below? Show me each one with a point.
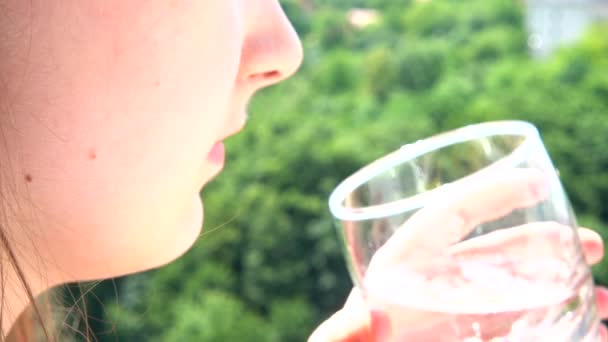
(177, 239)
(190, 231)
(185, 233)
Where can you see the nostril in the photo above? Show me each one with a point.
(266, 76)
(272, 74)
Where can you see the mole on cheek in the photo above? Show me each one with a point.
(92, 154)
(28, 178)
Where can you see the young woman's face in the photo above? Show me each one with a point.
(113, 112)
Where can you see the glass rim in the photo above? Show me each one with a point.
(414, 150)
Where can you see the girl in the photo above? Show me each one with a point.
(112, 117)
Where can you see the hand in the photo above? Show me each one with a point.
(353, 322)
(479, 199)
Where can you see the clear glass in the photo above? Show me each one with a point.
(467, 236)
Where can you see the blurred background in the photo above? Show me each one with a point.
(377, 74)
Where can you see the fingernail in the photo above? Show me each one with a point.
(593, 251)
(601, 296)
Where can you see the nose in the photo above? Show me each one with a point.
(272, 50)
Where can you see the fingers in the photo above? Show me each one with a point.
(351, 324)
(355, 299)
(601, 297)
(593, 246)
(527, 242)
(534, 239)
(463, 205)
(343, 326)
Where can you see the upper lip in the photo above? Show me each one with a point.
(234, 129)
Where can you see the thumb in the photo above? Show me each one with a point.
(343, 326)
(351, 324)
(354, 323)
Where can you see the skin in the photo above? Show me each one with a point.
(110, 112)
(355, 322)
(110, 115)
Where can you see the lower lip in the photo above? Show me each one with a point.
(217, 153)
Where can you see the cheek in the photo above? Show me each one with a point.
(180, 83)
(171, 100)
(120, 155)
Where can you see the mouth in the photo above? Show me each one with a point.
(217, 154)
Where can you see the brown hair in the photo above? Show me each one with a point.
(46, 318)
(33, 320)
(35, 323)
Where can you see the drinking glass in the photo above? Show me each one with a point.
(467, 236)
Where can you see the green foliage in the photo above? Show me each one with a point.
(299, 18)
(331, 29)
(339, 72)
(496, 43)
(269, 267)
(432, 19)
(214, 318)
(380, 72)
(419, 66)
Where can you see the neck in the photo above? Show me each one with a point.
(20, 283)
(16, 295)
(26, 270)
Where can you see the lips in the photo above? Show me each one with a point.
(217, 154)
